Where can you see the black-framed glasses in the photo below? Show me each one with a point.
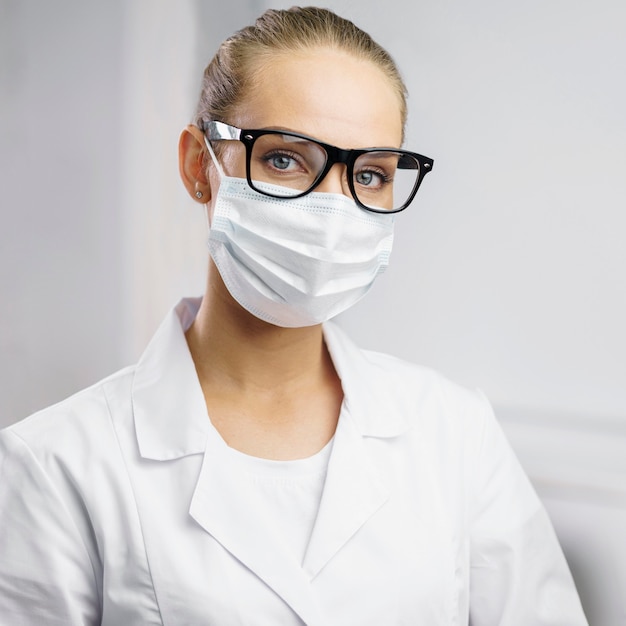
(383, 180)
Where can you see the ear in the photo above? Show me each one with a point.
(192, 164)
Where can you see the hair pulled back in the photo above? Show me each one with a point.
(229, 74)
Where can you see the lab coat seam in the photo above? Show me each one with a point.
(489, 415)
(464, 526)
(61, 408)
(135, 499)
(57, 496)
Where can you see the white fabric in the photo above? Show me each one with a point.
(288, 491)
(115, 510)
(285, 264)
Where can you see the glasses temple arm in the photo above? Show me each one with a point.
(218, 130)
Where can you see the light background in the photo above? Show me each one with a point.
(508, 271)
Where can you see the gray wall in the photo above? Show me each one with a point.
(98, 238)
(61, 305)
(508, 271)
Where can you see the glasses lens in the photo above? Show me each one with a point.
(290, 162)
(384, 180)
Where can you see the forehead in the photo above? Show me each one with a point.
(328, 94)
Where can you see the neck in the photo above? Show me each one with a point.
(232, 347)
(270, 392)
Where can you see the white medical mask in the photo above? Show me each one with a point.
(299, 261)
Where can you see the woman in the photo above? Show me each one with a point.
(255, 467)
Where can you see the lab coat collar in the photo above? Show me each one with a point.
(371, 386)
(170, 413)
(229, 511)
(171, 419)
(353, 492)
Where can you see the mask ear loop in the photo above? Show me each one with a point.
(218, 166)
(206, 218)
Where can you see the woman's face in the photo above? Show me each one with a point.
(327, 94)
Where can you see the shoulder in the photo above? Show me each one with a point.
(413, 375)
(394, 395)
(427, 385)
(62, 486)
(386, 369)
(432, 401)
(79, 424)
(65, 464)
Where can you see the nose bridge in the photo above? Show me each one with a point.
(336, 179)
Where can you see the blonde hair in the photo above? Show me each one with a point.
(228, 75)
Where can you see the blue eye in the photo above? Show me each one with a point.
(281, 161)
(364, 178)
(370, 179)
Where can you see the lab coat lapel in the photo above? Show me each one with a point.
(352, 494)
(228, 510)
(169, 411)
(354, 490)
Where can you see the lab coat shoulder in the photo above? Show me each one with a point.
(392, 396)
(460, 425)
(425, 413)
(517, 570)
(509, 566)
(61, 477)
(76, 423)
(73, 442)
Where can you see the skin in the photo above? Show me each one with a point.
(273, 392)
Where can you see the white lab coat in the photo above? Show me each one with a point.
(115, 510)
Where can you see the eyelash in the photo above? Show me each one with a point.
(384, 177)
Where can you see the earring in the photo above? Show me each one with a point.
(199, 194)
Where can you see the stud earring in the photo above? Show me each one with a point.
(199, 194)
